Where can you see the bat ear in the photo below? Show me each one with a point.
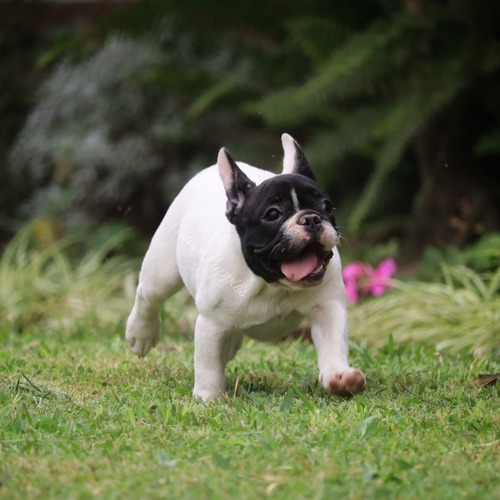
(294, 161)
(236, 184)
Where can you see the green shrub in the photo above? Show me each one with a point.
(60, 283)
(461, 312)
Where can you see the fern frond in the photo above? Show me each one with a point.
(216, 92)
(353, 132)
(359, 66)
(362, 59)
(317, 37)
(285, 108)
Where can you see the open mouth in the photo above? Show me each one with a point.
(309, 264)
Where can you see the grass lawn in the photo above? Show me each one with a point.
(81, 417)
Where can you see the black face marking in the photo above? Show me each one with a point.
(261, 220)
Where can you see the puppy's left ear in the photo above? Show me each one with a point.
(294, 161)
(236, 184)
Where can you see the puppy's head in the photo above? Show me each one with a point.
(285, 224)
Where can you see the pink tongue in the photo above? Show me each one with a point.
(299, 268)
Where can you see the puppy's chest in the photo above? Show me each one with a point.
(273, 328)
(269, 317)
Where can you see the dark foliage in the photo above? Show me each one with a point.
(395, 103)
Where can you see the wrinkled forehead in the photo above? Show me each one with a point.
(289, 187)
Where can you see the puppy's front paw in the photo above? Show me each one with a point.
(141, 345)
(344, 383)
(135, 332)
(142, 332)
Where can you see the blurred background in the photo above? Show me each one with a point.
(107, 108)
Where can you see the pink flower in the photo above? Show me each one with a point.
(359, 276)
(352, 273)
(379, 279)
(351, 292)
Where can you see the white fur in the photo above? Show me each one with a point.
(289, 153)
(295, 200)
(196, 245)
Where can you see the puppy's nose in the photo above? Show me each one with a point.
(310, 221)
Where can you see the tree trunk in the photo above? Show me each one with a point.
(459, 198)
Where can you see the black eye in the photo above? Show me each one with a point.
(327, 206)
(272, 214)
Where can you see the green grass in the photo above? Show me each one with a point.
(81, 417)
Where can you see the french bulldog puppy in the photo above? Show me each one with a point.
(257, 252)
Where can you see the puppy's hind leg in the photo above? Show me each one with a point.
(159, 279)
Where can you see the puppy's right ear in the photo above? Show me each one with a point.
(294, 161)
(236, 184)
